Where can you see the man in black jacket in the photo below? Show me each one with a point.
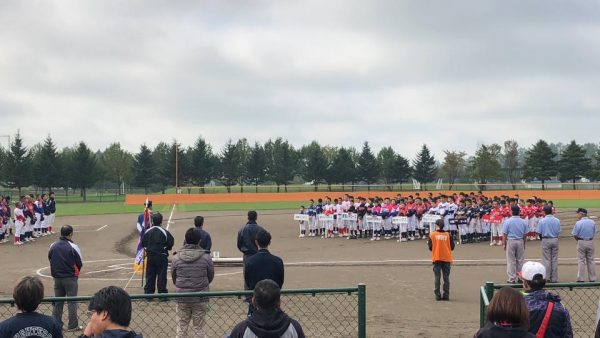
(246, 240)
(263, 265)
(157, 242)
(268, 320)
(65, 264)
(205, 239)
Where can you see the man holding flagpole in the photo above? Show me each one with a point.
(144, 222)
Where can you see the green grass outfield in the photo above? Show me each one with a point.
(103, 208)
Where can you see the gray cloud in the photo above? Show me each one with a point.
(400, 73)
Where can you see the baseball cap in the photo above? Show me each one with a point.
(547, 209)
(582, 210)
(530, 269)
(515, 208)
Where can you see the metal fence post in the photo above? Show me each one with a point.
(482, 309)
(362, 310)
(489, 290)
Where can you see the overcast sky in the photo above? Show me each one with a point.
(452, 74)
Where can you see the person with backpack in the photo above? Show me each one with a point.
(547, 316)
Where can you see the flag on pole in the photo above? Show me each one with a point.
(144, 223)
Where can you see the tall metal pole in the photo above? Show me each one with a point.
(176, 168)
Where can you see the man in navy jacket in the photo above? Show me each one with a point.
(65, 264)
(263, 265)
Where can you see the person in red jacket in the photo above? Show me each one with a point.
(496, 217)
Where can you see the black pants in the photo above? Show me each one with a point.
(246, 287)
(156, 274)
(438, 269)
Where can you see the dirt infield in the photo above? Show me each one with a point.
(398, 276)
(305, 196)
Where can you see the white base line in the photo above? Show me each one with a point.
(170, 216)
(102, 227)
(491, 260)
(41, 274)
(105, 270)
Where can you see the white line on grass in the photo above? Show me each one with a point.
(170, 216)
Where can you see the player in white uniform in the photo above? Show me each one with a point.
(329, 210)
(386, 220)
(338, 217)
(19, 223)
(302, 224)
(38, 207)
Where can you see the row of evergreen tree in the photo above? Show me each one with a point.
(278, 162)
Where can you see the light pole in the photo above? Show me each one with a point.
(176, 168)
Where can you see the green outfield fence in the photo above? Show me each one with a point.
(580, 299)
(101, 194)
(339, 312)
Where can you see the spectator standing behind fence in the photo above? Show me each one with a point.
(263, 265)
(28, 294)
(515, 231)
(268, 321)
(547, 316)
(157, 242)
(205, 240)
(65, 265)
(441, 244)
(507, 316)
(110, 315)
(549, 230)
(584, 232)
(192, 270)
(246, 239)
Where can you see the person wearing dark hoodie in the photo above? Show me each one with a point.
(268, 320)
(110, 315)
(507, 316)
(547, 316)
(192, 270)
(205, 239)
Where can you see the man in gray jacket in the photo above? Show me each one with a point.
(192, 270)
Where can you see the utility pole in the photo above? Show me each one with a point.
(176, 168)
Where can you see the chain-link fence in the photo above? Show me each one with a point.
(580, 299)
(321, 312)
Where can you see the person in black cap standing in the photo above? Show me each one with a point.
(157, 242)
(548, 229)
(584, 232)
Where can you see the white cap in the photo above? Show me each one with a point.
(530, 269)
